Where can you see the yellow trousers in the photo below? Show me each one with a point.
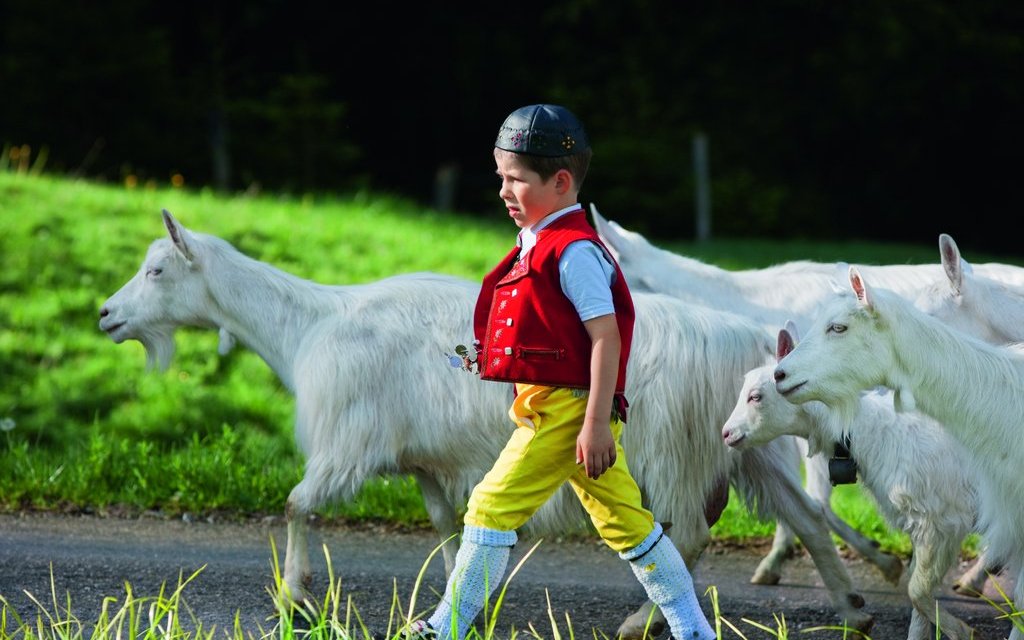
(541, 455)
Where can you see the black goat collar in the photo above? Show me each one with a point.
(842, 468)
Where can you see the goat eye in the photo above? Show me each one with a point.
(154, 271)
(836, 328)
(754, 397)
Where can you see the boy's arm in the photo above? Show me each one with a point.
(595, 446)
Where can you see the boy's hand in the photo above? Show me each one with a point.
(595, 448)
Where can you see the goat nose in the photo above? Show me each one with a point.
(104, 312)
(779, 374)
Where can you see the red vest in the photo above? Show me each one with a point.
(529, 330)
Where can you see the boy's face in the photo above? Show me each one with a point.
(528, 198)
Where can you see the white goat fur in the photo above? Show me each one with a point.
(790, 292)
(898, 456)
(974, 389)
(980, 299)
(986, 308)
(375, 395)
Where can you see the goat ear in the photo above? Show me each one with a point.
(599, 221)
(606, 232)
(615, 236)
(178, 235)
(842, 269)
(860, 288)
(951, 262)
(794, 333)
(784, 345)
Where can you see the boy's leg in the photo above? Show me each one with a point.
(479, 567)
(614, 504)
(538, 458)
(656, 563)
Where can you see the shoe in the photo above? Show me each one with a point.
(419, 630)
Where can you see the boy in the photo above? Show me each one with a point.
(555, 317)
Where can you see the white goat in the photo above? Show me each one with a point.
(985, 302)
(789, 291)
(898, 457)
(986, 308)
(974, 389)
(989, 309)
(771, 296)
(375, 395)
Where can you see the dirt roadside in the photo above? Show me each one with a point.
(92, 558)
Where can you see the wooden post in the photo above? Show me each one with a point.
(702, 180)
(446, 181)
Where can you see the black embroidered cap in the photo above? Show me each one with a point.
(542, 130)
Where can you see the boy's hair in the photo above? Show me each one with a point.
(576, 164)
(547, 138)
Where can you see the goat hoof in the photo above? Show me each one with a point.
(861, 623)
(856, 600)
(294, 596)
(629, 630)
(765, 577)
(893, 570)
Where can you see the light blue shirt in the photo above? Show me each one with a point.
(585, 270)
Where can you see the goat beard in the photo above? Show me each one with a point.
(160, 347)
(846, 409)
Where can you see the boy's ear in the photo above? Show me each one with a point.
(564, 181)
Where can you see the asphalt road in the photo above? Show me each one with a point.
(92, 558)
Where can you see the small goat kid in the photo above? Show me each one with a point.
(974, 389)
(358, 417)
(898, 456)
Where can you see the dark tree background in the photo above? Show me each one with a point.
(890, 120)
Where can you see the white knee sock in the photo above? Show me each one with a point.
(479, 568)
(660, 569)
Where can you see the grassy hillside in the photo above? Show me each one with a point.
(83, 426)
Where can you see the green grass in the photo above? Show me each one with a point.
(83, 426)
(331, 615)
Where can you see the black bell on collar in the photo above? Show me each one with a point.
(842, 468)
(546, 130)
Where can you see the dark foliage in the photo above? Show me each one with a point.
(891, 120)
